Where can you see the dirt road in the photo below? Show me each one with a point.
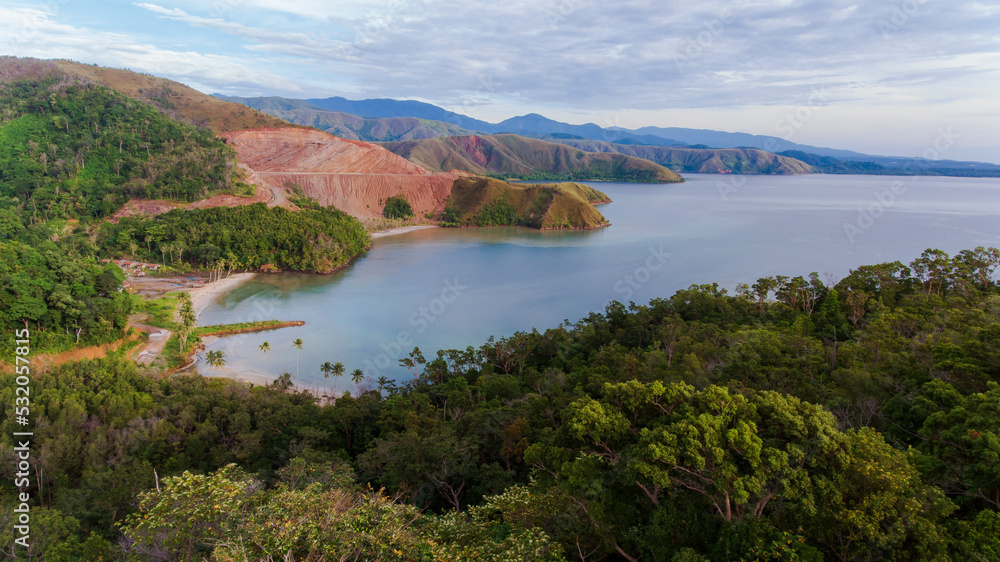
(157, 339)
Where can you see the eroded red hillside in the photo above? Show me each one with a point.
(354, 176)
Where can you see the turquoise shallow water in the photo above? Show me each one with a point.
(452, 288)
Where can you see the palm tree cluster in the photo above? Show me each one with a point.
(216, 359)
(337, 369)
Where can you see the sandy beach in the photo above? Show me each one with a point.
(229, 373)
(258, 379)
(401, 230)
(202, 296)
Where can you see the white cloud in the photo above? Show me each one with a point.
(585, 57)
(35, 33)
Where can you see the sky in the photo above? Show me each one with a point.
(888, 77)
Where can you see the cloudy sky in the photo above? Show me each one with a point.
(882, 77)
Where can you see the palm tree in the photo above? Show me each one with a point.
(215, 358)
(265, 347)
(187, 316)
(382, 383)
(297, 344)
(338, 371)
(357, 376)
(327, 368)
(219, 265)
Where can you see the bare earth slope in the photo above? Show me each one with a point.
(354, 176)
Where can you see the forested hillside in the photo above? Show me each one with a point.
(249, 237)
(791, 421)
(80, 151)
(61, 298)
(72, 152)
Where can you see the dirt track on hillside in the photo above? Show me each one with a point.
(354, 176)
(158, 338)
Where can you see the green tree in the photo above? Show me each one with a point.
(264, 348)
(326, 368)
(215, 358)
(297, 344)
(337, 371)
(397, 207)
(187, 317)
(961, 441)
(873, 504)
(190, 512)
(358, 376)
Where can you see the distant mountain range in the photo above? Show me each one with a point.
(535, 125)
(704, 160)
(351, 125)
(514, 156)
(430, 121)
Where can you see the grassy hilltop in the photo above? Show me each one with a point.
(491, 202)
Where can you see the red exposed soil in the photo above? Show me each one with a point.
(356, 177)
(153, 207)
(44, 361)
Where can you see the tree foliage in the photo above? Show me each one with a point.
(63, 299)
(81, 151)
(791, 421)
(397, 207)
(246, 237)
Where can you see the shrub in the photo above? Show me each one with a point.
(397, 208)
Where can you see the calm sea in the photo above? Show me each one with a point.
(453, 288)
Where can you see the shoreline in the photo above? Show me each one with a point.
(258, 379)
(205, 295)
(401, 230)
(225, 372)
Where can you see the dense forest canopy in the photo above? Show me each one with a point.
(254, 237)
(70, 150)
(63, 299)
(793, 420)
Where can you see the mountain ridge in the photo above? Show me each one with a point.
(538, 126)
(348, 125)
(514, 156)
(701, 160)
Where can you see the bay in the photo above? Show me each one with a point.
(453, 288)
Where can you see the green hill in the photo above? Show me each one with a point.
(173, 98)
(701, 160)
(514, 156)
(72, 150)
(492, 202)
